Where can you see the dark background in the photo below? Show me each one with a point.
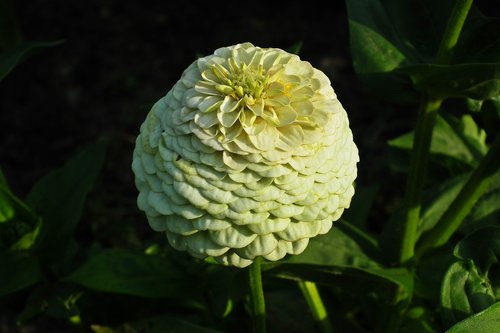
(119, 57)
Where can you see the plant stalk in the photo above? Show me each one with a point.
(423, 135)
(475, 187)
(453, 30)
(416, 176)
(313, 299)
(257, 297)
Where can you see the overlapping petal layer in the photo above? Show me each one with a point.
(249, 154)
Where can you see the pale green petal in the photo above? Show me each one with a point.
(227, 119)
(297, 247)
(219, 196)
(300, 230)
(266, 139)
(279, 252)
(286, 115)
(244, 205)
(233, 259)
(187, 211)
(258, 107)
(261, 245)
(245, 177)
(157, 223)
(160, 203)
(326, 225)
(192, 194)
(285, 211)
(206, 120)
(290, 137)
(236, 237)
(269, 226)
(207, 222)
(229, 105)
(216, 209)
(180, 226)
(202, 244)
(234, 162)
(178, 242)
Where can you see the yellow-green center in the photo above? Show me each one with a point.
(241, 80)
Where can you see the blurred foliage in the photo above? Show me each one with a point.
(47, 272)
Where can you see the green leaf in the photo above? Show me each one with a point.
(225, 289)
(464, 292)
(19, 271)
(458, 139)
(12, 57)
(361, 204)
(6, 209)
(473, 80)
(344, 256)
(435, 202)
(19, 225)
(482, 246)
(133, 273)
(418, 320)
(487, 321)
(12, 207)
(438, 198)
(430, 271)
(486, 212)
(487, 112)
(55, 300)
(388, 34)
(479, 40)
(163, 324)
(344, 246)
(59, 198)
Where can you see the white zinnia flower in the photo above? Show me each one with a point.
(249, 154)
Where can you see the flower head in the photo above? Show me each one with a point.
(249, 154)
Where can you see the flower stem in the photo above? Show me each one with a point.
(416, 176)
(313, 299)
(460, 207)
(453, 29)
(257, 297)
(423, 135)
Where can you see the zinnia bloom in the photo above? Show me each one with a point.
(249, 154)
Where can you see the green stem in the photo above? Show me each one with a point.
(416, 176)
(423, 135)
(257, 297)
(453, 29)
(460, 207)
(313, 299)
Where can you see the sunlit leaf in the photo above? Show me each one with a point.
(464, 292)
(482, 246)
(487, 321)
(459, 139)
